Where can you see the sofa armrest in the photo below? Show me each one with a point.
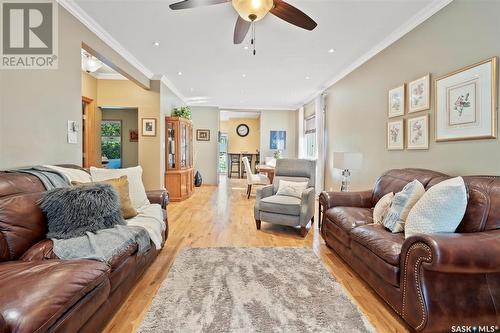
(158, 197)
(439, 271)
(361, 199)
(476, 252)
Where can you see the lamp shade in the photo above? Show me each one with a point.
(344, 160)
(252, 10)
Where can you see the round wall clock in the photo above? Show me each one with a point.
(242, 130)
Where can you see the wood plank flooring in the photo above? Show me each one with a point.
(222, 216)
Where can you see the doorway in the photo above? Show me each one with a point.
(223, 146)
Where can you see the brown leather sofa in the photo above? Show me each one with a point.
(41, 294)
(434, 282)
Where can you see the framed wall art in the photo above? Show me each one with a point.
(395, 135)
(148, 127)
(202, 135)
(466, 102)
(396, 104)
(419, 92)
(417, 132)
(277, 140)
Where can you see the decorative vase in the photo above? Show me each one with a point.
(197, 179)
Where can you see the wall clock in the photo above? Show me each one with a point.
(242, 130)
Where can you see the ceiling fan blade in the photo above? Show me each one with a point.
(240, 30)
(195, 3)
(292, 15)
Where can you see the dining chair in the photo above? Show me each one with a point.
(234, 161)
(253, 179)
(249, 157)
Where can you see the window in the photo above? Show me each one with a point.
(310, 136)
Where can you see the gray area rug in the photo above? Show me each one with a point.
(251, 290)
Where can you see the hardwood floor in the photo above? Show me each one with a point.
(223, 217)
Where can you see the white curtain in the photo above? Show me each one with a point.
(300, 131)
(320, 142)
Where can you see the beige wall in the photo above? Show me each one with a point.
(206, 152)
(274, 120)
(128, 94)
(36, 104)
(129, 119)
(238, 144)
(461, 34)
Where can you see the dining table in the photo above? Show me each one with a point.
(267, 169)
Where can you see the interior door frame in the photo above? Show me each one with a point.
(88, 133)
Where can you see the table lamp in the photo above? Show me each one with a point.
(347, 161)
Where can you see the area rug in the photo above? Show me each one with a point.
(251, 290)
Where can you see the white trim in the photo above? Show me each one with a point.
(108, 76)
(402, 30)
(170, 86)
(241, 108)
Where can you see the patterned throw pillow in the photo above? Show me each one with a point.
(291, 189)
(382, 207)
(441, 209)
(402, 203)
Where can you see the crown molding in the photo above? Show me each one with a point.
(395, 35)
(243, 109)
(170, 86)
(108, 76)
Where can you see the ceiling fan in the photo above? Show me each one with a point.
(251, 11)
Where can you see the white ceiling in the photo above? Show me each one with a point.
(198, 43)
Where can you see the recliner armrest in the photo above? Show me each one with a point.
(160, 197)
(457, 253)
(264, 192)
(3, 325)
(362, 199)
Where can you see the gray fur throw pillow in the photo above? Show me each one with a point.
(72, 211)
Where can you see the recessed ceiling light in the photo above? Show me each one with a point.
(156, 43)
(331, 50)
(179, 73)
(307, 77)
(243, 75)
(192, 89)
(246, 47)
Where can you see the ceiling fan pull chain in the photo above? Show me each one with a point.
(254, 42)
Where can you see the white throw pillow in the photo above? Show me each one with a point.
(76, 175)
(382, 207)
(291, 189)
(441, 209)
(402, 203)
(135, 184)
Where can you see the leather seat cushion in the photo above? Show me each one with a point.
(49, 288)
(281, 204)
(379, 249)
(381, 242)
(349, 217)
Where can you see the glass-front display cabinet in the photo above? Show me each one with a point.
(179, 177)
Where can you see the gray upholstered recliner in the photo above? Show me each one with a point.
(288, 210)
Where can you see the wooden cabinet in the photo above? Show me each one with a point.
(179, 177)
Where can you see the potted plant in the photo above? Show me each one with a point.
(182, 112)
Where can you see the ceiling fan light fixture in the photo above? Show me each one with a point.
(252, 10)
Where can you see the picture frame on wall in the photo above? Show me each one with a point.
(466, 102)
(417, 132)
(202, 135)
(148, 126)
(396, 102)
(277, 140)
(133, 135)
(419, 94)
(395, 135)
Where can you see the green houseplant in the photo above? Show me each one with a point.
(182, 112)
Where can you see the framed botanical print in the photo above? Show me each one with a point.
(419, 92)
(396, 101)
(202, 135)
(148, 127)
(466, 102)
(417, 132)
(395, 135)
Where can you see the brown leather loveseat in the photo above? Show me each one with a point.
(434, 282)
(39, 293)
